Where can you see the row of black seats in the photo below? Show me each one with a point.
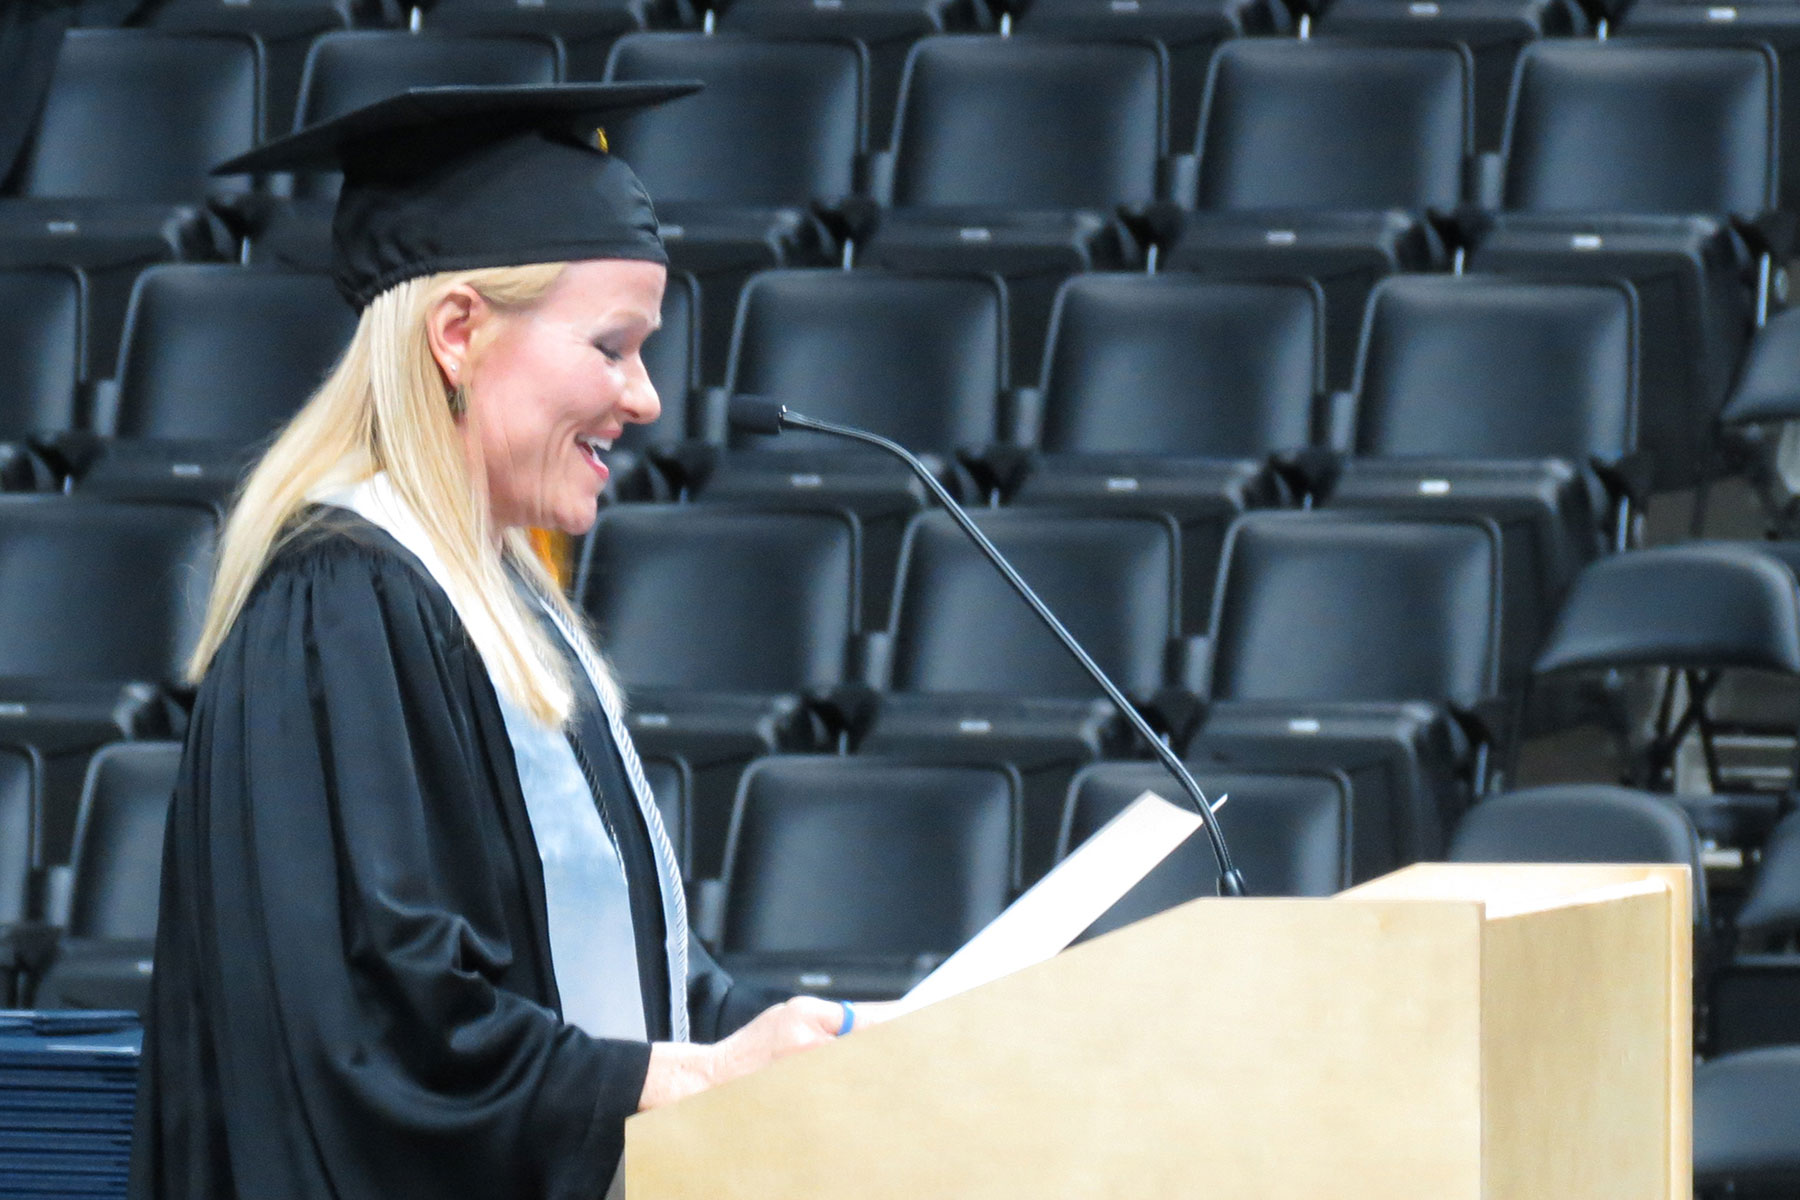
(1018, 156)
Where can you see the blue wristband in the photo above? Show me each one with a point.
(849, 1021)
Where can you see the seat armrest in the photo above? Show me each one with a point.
(998, 469)
(686, 465)
(1770, 233)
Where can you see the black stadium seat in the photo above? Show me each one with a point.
(103, 960)
(1169, 393)
(116, 176)
(1747, 1125)
(720, 623)
(1349, 642)
(1507, 399)
(285, 28)
(974, 676)
(1321, 159)
(851, 876)
(736, 169)
(586, 28)
(672, 783)
(1014, 155)
(105, 603)
(920, 360)
(1633, 160)
(42, 322)
(215, 359)
(672, 360)
(18, 837)
(1289, 834)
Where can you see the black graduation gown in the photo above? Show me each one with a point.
(353, 993)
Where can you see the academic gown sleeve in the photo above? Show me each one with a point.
(353, 995)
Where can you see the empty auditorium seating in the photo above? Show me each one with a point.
(18, 836)
(1494, 33)
(672, 783)
(1169, 393)
(586, 28)
(104, 958)
(42, 320)
(1014, 155)
(736, 169)
(214, 361)
(1510, 399)
(1752, 1000)
(1364, 645)
(285, 28)
(1320, 159)
(672, 360)
(852, 876)
(920, 360)
(972, 675)
(1747, 1125)
(117, 173)
(1289, 834)
(720, 622)
(100, 603)
(1631, 160)
(348, 69)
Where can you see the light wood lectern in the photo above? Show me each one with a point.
(1443, 1033)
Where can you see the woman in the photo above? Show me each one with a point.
(421, 933)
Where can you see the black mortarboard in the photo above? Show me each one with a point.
(452, 178)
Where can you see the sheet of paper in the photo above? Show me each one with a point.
(1053, 912)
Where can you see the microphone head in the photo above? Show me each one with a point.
(754, 414)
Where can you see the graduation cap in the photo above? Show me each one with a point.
(453, 178)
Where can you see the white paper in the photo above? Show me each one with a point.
(1053, 912)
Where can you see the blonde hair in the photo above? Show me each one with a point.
(384, 408)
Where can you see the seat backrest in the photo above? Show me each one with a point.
(1024, 123)
(1289, 834)
(119, 839)
(1631, 127)
(920, 360)
(671, 782)
(1181, 364)
(722, 600)
(18, 831)
(346, 69)
(672, 359)
(1323, 606)
(41, 330)
(1581, 823)
(959, 628)
(780, 122)
(1466, 366)
(223, 353)
(865, 855)
(1321, 124)
(135, 114)
(97, 590)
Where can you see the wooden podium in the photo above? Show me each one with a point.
(1443, 1033)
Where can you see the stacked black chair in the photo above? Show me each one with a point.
(1508, 399)
(737, 169)
(1289, 834)
(973, 676)
(1321, 159)
(920, 360)
(102, 603)
(1015, 155)
(1494, 34)
(1647, 162)
(42, 322)
(1753, 998)
(1364, 645)
(721, 623)
(348, 69)
(215, 359)
(117, 173)
(1170, 393)
(104, 958)
(586, 28)
(285, 28)
(1699, 610)
(1765, 398)
(1747, 1125)
(852, 877)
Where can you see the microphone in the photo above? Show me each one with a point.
(757, 414)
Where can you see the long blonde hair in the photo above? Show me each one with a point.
(384, 408)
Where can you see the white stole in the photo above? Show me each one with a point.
(593, 945)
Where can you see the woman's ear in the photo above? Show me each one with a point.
(450, 328)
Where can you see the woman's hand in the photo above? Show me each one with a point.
(679, 1070)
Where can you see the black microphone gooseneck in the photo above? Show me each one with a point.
(754, 414)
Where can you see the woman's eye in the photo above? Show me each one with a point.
(611, 354)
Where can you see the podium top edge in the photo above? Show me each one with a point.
(1511, 889)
